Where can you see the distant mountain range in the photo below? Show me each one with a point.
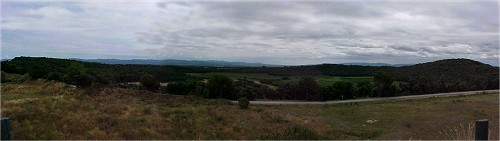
(376, 64)
(209, 63)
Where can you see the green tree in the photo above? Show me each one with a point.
(363, 89)
(345, 89)
(382, 78)
(76, 75)
(150, 83)
(287, 91)
(200, 90)
(221, 86)
(38, 71)
(83, 80)
(102, 79)
(10, 67)
(383, 84)
(54, 76)
(339, 90)
(75, 69)
(308, 89)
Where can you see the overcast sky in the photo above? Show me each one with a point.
(278, 32)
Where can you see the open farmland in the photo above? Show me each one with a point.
(256, 76)
(43, 109)
(322, 80)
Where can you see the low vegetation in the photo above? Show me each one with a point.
(42, 109)
(244, 103)
(150, 83)
(293, 133)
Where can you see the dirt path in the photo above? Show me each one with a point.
(369, 99)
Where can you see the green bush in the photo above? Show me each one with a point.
(295, 132)
(177, 88)
(82, 80)
(102, 79)
(21, 78)
(243, 102)
(54, 76)
(3, 78)
(75, 69)
(150, 83)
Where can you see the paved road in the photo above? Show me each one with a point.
(369, 99)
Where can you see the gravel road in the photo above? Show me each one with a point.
(283, 102)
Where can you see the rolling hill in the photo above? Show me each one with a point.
(450, 74)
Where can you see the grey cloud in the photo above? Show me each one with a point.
(353, 9)
(341, 30)
(488, 47)
(248, 11)
(285, 32)
(404, 48)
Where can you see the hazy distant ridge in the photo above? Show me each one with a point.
(376, 64)
(211, 63)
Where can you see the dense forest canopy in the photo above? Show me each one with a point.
(40, 67)
(448, 75)
(128, 72)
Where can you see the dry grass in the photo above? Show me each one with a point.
(467, 132)
(460, 132)
(50, 110)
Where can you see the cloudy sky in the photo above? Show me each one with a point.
(277, 32)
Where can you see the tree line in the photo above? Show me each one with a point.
(84, 73)
(433, 77)
(220, 86)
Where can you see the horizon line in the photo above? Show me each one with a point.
(264, 64)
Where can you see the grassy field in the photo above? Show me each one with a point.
(322, 80)
(329, 80)
(50, 110)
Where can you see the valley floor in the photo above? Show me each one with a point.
(43, 109)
